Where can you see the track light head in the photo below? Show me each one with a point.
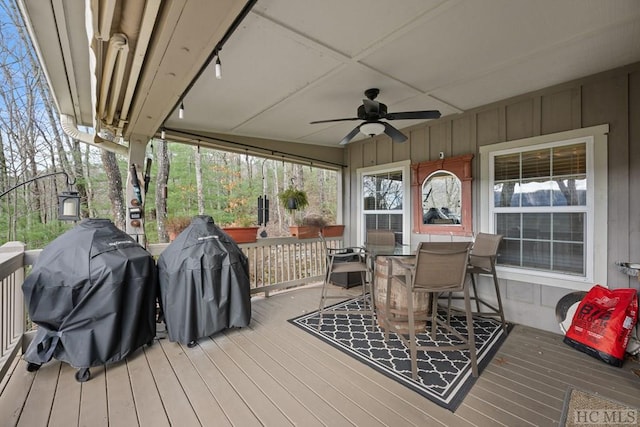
(218, 67)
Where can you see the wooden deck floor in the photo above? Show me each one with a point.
(274, 374)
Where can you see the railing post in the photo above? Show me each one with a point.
(12, 313)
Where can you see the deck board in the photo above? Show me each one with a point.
(324, 362)
(149, 407)
(261, 405)
(233, 406)
(15, 392)
(122, 411)
(286, 402)
(93, 400)
(66, 403)
(41, 395)
(291, 374)
(176, 404)
(272, 373)
(205, 405)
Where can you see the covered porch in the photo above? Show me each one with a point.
(272, 373)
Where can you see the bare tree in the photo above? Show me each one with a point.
(198, 167)
(88, 184)
(162, 178)
(114, 179)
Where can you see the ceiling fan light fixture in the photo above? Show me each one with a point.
(372, 128)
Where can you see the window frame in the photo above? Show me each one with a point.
(460, 167)
(595, 210)
(405, 168)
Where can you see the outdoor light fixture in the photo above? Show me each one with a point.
(181, 111)
(69, 206)
(68, 201)
(372, 128)
(163, 134)
(218, 67)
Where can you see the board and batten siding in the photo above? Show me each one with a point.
(611, 97)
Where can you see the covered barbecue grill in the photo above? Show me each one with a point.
(204, 283)
(93, 295)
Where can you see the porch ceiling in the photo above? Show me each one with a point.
(290, 62)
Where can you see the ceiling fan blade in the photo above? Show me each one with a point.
(350, 136)
(395, 134)
(371, 107)
(427, 114)
(334, 120)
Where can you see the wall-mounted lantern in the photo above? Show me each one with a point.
(69, 206)
(68, 201)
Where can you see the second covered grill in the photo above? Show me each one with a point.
(204, 283)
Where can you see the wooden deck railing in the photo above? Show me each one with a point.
(274, 263)
(280, 262)
(12, 313)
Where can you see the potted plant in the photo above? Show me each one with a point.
(242, 230)
(333, 230)
(321, 222)
(175, 224)
(309, 227)
(293, 199)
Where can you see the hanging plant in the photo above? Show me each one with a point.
(293, 199)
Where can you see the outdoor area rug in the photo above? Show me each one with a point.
(582, 407)
(444, 377)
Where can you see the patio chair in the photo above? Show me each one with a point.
(482, 260)
(380, 237)
(346, 260)
(440, 267)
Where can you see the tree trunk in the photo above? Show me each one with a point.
(114, 180)
(276, 190)
(89, 185)
(198, 163)
(78, 171)
(162, 178)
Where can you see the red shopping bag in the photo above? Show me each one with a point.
(602, 323)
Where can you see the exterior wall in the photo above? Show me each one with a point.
(612, 97)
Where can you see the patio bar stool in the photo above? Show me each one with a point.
(482, 260)
(380, 237)
(346, 260)
(440, 267)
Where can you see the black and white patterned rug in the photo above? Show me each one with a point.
(443, 377)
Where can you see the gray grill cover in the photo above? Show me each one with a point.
(93, 293)
(204, 282)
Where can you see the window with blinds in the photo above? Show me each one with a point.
(540, 206)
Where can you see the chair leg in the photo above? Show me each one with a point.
(471, 339)
(323, 297)
(475, 292)
(499, 300)
(412, 334)
(386, 322)
(321, 307)
(434, 315)
(367, 305)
